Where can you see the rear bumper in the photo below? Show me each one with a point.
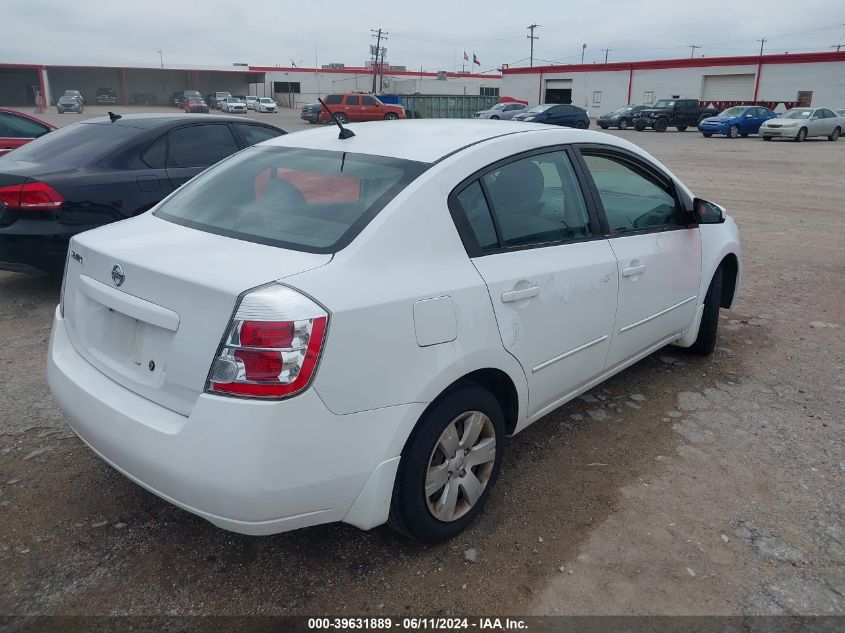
(244, 465)
(33, 253)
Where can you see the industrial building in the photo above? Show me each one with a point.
(780, 80)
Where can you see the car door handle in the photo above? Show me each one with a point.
(519, 295)
(633, 270)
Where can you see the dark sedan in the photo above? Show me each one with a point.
(556, 114)
(623, 118)
(102, 170)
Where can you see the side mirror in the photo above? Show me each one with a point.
(706, 212)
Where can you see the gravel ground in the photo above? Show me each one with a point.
(681, 486)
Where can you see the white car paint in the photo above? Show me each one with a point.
(265, 104)
(409, 312)
(233, 105)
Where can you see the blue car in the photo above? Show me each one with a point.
(556, 114)
(736, 121)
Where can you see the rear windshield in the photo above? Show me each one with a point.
(302, 199)
(75, 144)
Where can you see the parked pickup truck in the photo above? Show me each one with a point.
(678, 113)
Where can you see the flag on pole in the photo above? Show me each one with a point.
(475, 59)
(466, 57)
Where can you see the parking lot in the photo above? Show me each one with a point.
(684, 485)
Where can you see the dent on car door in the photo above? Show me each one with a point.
(552, 281)
(193, 148)
(658, 254)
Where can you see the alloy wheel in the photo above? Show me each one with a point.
(460, 466)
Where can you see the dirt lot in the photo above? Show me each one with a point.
(682, 486)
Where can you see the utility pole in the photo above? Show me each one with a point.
(381, 70)
(583, 50)
(379, 35)
(837, 46)
(532, 37)
(161, 56)
(762, 42)
(606, 51)
(692, 48)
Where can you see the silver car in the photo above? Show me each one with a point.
(504, 111)
(800, 123)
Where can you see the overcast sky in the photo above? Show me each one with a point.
(428, 33)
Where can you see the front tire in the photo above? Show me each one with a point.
(835, 135)
(391, 116)
(705, 342)
(767, 138)
(707, 134)
(640, 125)
(802, 135)
(580, 125)
(623, 124)
(733, 132)
(681, 128)
(449, 466)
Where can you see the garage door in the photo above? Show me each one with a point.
(728, 87)
(558, 91)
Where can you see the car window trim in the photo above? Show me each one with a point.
(467, 234)
(236, 126)
(639, 165)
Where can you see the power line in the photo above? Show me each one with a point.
(532, 37)
(692, 48)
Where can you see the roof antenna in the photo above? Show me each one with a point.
(344, 132)
(114, 117)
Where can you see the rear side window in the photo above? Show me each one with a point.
(253, 134)
(334, 99)
(632, 199)
(156, 156)
(309, 200)
(200, 145)
(537, 200)
(12, 126)
(477, 212)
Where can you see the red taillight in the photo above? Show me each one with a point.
(272, 345)
(31, 196)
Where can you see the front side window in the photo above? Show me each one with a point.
(632, 199)
(368, 101)
(310, 200)
(352, 100)
(537, 200)
(200, 145)
(253, 134)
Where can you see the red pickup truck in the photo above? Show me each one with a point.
(356, 106)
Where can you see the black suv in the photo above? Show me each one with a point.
(106, 95)
(678, 113)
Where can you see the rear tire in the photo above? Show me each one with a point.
(580, 125)
(661, 125)
(640, 125)
(340, 116)
(767, 138)
(835, 135)
(412, 506)
(681, 128)
(707, 134)
(623, 124)
(705, 342)
(494, 117)
(744, 135)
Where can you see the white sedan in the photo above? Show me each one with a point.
(265, 104)
(234, 105)
(799, 124)
(326, 329)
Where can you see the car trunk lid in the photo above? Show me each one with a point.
(147, 301)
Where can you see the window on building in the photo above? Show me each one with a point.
(805, 98)
(489, 91)
(286, 87)
(596, 97)
(648, 98)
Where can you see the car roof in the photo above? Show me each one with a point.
(432, 139)
(153, 120)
